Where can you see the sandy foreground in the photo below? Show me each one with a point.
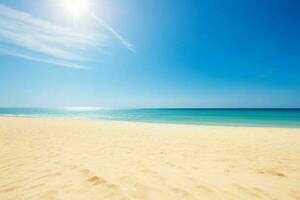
(89, 159)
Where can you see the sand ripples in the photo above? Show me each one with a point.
(77, 159)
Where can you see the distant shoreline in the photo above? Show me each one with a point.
(213, 117)
(143, 122)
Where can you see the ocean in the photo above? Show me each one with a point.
(220, 117)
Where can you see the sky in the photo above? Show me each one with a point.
(151, 53)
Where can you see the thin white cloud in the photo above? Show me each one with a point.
(28, 37)
(125, 42)
(24, 55)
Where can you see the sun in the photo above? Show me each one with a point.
(75, 8)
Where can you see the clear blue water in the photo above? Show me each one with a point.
(227, 117)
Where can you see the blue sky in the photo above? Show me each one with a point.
(151, 53)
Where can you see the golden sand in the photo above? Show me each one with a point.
(88, 159)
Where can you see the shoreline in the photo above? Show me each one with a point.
(63, 158)
(151, 122)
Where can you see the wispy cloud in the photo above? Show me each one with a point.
(25, 36)
(18, 53)
(125, 42)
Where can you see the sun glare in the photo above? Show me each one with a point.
(75, 8)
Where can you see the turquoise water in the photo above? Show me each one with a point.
(227, 117)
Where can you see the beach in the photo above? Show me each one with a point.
(60, 158)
